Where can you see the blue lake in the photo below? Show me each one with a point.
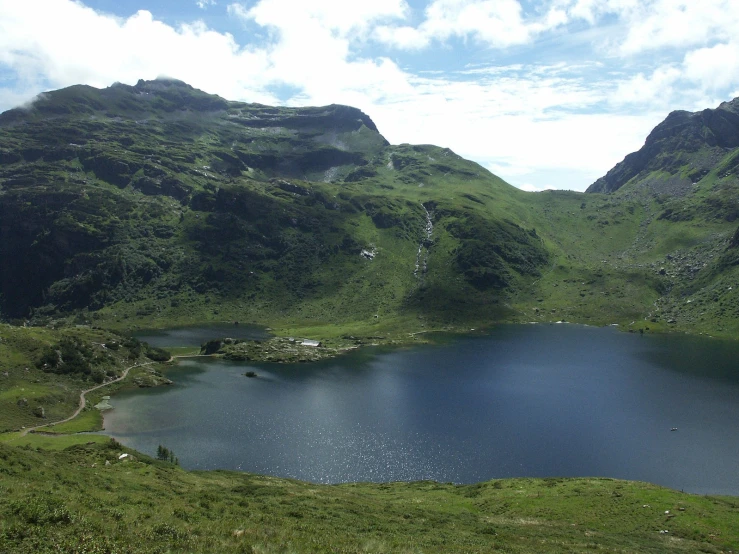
(527, 400)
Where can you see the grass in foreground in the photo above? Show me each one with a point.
(48, 441)
(87, 499)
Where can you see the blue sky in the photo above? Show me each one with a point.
(544, 93)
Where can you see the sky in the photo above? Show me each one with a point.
(543, 93)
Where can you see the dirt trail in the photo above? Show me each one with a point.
(83, 401)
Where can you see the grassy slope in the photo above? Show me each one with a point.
(687, 237)
(177, 207)
(72, 501)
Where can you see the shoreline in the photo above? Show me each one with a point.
(280, 349)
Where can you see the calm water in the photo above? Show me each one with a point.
(195, 336)
(544, 400)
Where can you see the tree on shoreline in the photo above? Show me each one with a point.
(167, 455)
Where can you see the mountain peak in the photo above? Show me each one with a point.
(163, 81)
(165, 95)
(730, 106)
(683, 140)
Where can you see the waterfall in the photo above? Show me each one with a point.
(422, 256)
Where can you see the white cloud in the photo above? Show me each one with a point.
(238, 10)
(519, 128)
(692, 82)
(680, 23)
(501, 168)
(658, 88)
(11, 98)
(311, 50)
(644, 25)
(593, 10)
(336, 16)
(648, 25)
(497, 23)
(203, 4)
(528, 187)
(71, 43)
(403, 38)
(714, 68)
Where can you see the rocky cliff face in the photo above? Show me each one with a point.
(685, 147)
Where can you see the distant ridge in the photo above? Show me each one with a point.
(684, 147)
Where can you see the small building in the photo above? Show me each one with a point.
(313, 343)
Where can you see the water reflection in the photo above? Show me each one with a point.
(197, 335)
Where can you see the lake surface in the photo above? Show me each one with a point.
(197, 335)
(527, 400)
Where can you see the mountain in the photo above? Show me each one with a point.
(157, 204)
(159, 201)
(679, 153)
(685, 179)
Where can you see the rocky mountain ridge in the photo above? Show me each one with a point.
(683, 149)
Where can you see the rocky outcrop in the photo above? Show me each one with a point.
(109, 168)
(335, 116)
(279, 350)
(734, 242)
(169, 186)
(697, 140)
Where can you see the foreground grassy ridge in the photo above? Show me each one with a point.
(73, 501)
(49, 441)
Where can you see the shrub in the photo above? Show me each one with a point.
(157, 354)
(67, 356)
(40, 511)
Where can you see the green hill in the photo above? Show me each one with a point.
(685, 179)
(159, 204)
(162, 203)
